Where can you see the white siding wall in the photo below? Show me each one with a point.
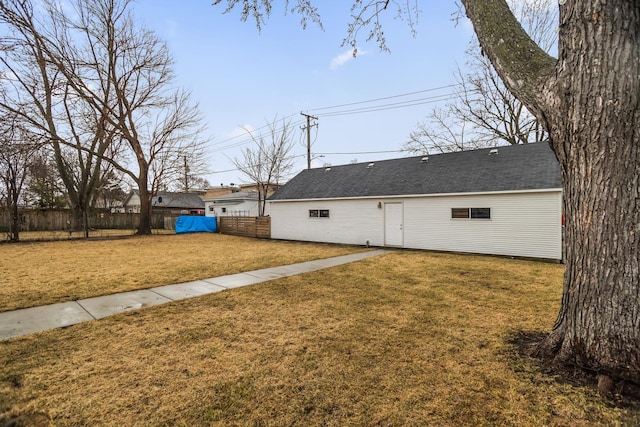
(245, 208)
(133, 204)
(350, 221)
(524, 224)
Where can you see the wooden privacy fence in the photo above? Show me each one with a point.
(61, 219)
(246, 226)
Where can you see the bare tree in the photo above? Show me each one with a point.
(109, 194)
(484, 107)
(117, 74)
(588, 100)
(198, 183)
(270, 161)
(444, 134)
(17, 147)
(44, 187)
(39, 94)
(186, 174)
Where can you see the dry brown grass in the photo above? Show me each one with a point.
(47, 272)
(408, 338)
(39, 236)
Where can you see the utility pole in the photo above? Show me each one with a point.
(186, 175)
(308, 129)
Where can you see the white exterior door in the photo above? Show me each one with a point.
(393, 233)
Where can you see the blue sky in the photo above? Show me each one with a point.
(244, 78)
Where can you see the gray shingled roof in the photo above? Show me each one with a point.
(513, 168)
(178, 201)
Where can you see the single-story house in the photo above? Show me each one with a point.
(241, 203)
(178, 203)
(221, 190)
(271, 188)
(501, 201)
(167, 202)
(131, 203)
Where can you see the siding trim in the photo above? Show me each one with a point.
(405, 196)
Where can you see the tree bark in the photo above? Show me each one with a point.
(14, 233)
(589, 102)
(144, 226)
(597, 141)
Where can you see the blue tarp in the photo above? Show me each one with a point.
(196, 224)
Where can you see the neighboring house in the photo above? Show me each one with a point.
(167, 202)
(178, 203)
(241, 203)
(255, 187)
(222, 190)
(118, 208)
(501, 201)
(132, 203)
(219, 191)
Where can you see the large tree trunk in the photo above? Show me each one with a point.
(144, 226)
(597, 139)
(598, 326)
(80, 218)
(589, 101)
(76, 216)
(14, 232)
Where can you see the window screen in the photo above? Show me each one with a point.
(459, 212)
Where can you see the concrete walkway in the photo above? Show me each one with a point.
(29, 320)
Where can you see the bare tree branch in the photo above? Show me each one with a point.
(484, 106)
(270, 161)
(115, 74)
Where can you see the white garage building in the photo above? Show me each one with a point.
(500, 201)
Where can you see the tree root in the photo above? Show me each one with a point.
(544, 352)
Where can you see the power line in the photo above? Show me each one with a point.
(239, 170)
(247, 132)
(251, 139)
(386, 97)
(362, 152)
(392, 106)
(371, 109)
(368, 109)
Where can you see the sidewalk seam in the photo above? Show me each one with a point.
(159, 294)
(85, 309)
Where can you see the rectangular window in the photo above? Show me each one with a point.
(459, 212)
(224, 210)
(318, 213)
(210, 208)
(473, 213)
(481, 213)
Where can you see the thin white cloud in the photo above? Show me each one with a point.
(345, 57)
(244, 130)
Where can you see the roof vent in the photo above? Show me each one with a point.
(328, 168)
(425, 159)
(370, 165)
(493, 151)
